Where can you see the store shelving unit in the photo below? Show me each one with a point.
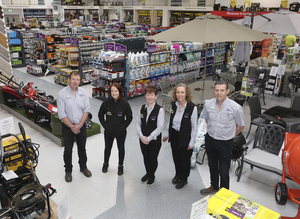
(16, 48)
(38, 62)
(105, 73)
(75, 55)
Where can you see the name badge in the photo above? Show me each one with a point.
(119, 113)
(153, 118)
(186, 115)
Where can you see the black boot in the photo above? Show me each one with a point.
(120, 170)
(104, 168)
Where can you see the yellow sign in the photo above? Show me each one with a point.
(247, 4)
(144, 13)
(198, 14)
(232, 3)
(159, 13)
(284, 4)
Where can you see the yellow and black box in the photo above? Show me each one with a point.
(13, 152)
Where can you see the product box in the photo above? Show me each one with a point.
(227, 204)
(13, 154)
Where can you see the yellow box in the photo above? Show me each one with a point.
(13, 156)
(234, 206)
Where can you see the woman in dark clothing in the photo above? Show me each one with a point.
(115, 115)
(182, 130)
(149, 125)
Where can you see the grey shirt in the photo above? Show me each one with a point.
(222, 124)
(160, 123)
(177, 122)
(72, 106)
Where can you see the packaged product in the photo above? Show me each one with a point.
(146, 83)
(131, 90)
(143, 72)
(158, 69)
(139, 87)
(153, 81)
(153, 70)
(132, 73)
(138, 72)
(158, 79)
(148, 71)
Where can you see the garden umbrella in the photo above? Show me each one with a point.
(209, 29)
(284, 22)
(242, 49)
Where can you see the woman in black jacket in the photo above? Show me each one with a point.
(115, 115)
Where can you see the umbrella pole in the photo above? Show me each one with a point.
(204, 73)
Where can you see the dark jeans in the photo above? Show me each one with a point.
(68, 137)
(219, 157)
(150, 153)
(181, 157)
(108, 146)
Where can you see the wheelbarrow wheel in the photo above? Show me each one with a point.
(20, 104)
(281, 193)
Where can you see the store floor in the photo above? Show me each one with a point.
(107, 196)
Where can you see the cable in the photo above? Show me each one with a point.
(27, 197)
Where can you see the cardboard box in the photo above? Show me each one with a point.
(234, 206)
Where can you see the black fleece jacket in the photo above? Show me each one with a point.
(118, 116)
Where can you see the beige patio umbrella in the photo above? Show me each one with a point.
(210, 29)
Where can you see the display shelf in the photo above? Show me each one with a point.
(16, 48)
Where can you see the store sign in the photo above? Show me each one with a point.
(235, 14)
(36, 35)
(115, 47)
(199, 14)
(109, 46)
(74, 41)
(144, 13)
(67, 40)
(120, 48)
(188, 14)
(42, 36)
(176, 14)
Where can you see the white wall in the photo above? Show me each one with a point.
(263, 3)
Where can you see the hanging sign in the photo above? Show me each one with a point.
(247, 4)
(284, 4)
(232, 3)
(67, 40)
(115, 47)
(75, 41)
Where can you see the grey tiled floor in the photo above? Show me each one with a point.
(111, 196)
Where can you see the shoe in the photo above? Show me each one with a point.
(208, 191)
(120, 170)
(175, 179)
(144, 178)
(68, 177)
(150, 181)
(86, 172)
(181, 183)
(104, 168)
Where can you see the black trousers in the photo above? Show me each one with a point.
(68, 137)
(181, 157)
(108, 146)
(219, 157)
(150, 153)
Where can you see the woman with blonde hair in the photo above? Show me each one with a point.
(182, 130)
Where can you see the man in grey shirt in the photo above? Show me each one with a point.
(73, 109)
(225, 120)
